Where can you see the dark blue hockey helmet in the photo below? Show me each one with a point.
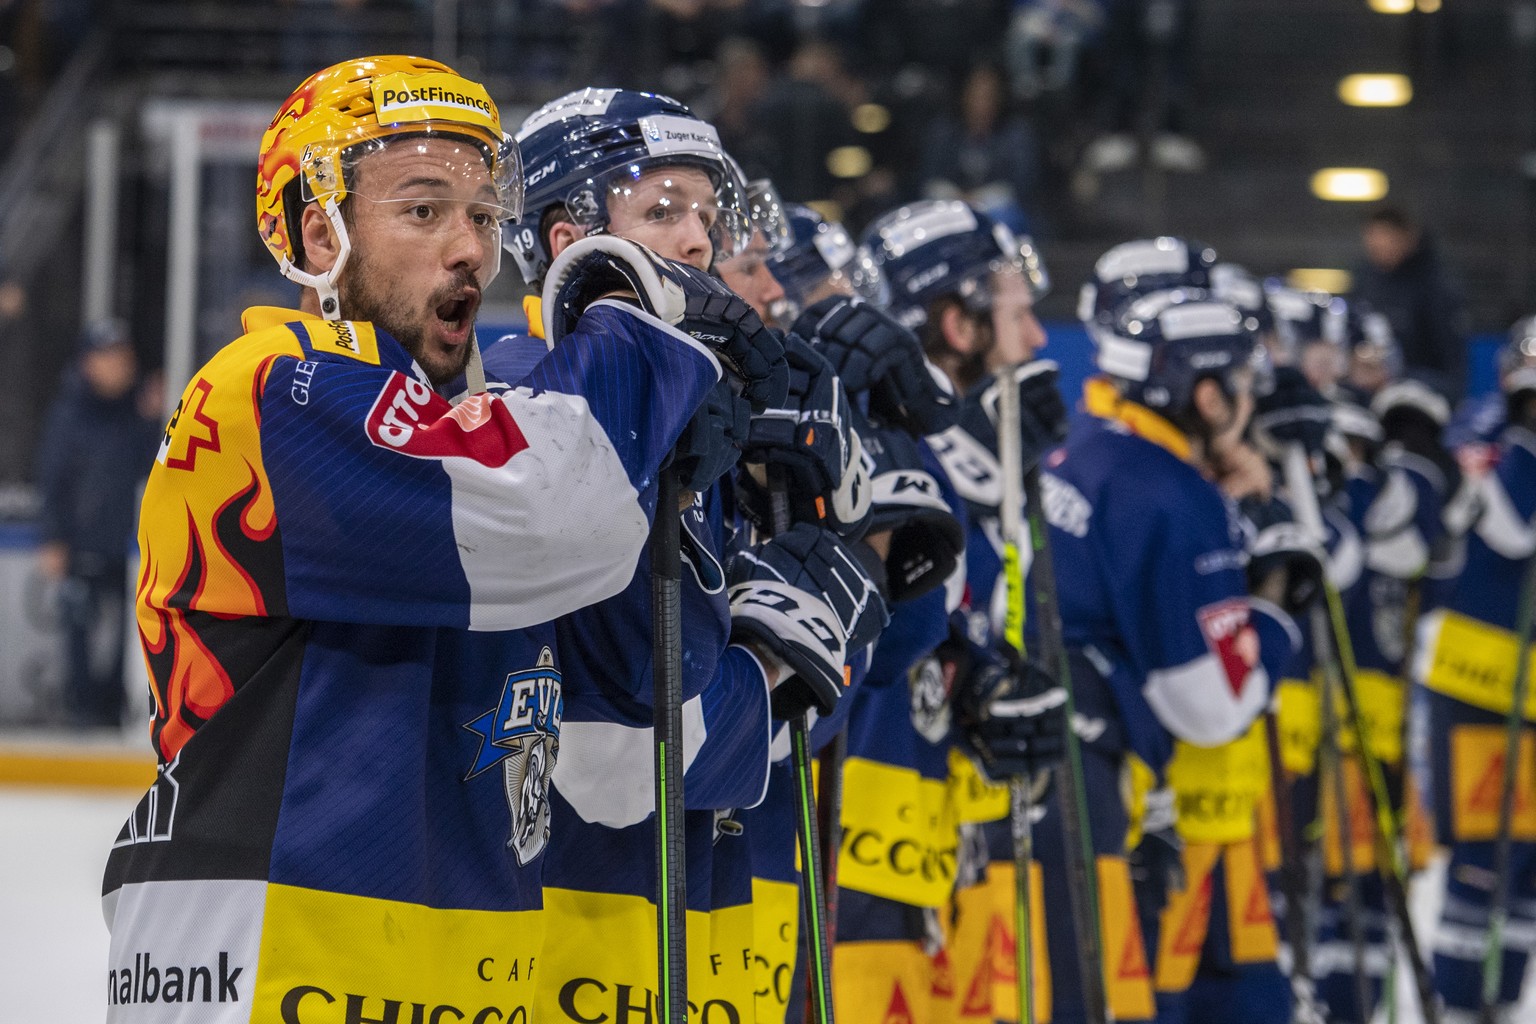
(590, 145)
(1370, 338)
(943, 247)
(1517, 357)
(1303, 318)
(1133, 269)
(821, 259)
(1232, 284)
(1164, 343)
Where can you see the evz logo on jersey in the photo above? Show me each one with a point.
(522, 734)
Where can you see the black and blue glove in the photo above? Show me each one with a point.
(711, 442)
(1157, 862)
(874, 353)
(1294, 412)
(1011, 712)
(811, 601)
(1042, 413)
(812, 442)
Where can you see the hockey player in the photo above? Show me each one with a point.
(791, 610)
(1466, 662)
(1168, 651)
(356, 711)
(748, 274)
(899, 857)
(821, 261)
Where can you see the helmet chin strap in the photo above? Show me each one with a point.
(325, 284)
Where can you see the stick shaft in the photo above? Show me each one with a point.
(1493, 953)
(667, 666)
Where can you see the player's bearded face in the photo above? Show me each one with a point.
(425, 237)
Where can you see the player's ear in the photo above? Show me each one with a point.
(561, 234)
(321, 246)
(958, 329)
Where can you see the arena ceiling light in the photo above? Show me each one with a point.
(849, 162)
(1428, 6)
(1320, 279)
(1349, 184)
(871, 118)
(1375, 90)
(1391, 6)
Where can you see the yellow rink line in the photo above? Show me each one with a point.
(87, 769)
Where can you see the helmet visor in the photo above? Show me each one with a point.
(769, 216)
(429, 160)
(663, 202)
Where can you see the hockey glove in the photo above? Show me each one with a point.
(805, 597)
(711, 442)
(873, 353)
(1293, 413)
(697, 304)
(1286, 567)
(926, 538)
(1042, 413)
(812, 440)
(1157, 862)
(1012, 714)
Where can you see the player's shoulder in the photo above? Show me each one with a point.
(273, 331)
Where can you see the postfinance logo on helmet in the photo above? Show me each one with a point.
(340, 114)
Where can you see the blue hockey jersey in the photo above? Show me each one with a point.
(356, 711)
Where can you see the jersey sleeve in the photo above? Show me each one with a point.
(509, 509)
(1183, 607)
(1509, 498)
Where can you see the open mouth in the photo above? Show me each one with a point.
(458, 312)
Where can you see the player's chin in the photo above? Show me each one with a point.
(444, 357)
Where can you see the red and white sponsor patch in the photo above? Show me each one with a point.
(410, 418)
(1231, 638)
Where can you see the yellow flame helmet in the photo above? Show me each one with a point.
(350, 109)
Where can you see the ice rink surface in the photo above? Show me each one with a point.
(53, 943)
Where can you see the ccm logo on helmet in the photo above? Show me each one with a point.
(434, 94)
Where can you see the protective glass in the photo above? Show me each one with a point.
(466, 170)
(644, 192)
(769, 216)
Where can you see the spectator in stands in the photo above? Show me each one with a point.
(97, 444)
(807, 114)
(1146, 57)
(1045, 38)
(1404, 278)
(985, 155)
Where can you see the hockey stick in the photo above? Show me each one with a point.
(1021, 806)
(667, 670)
(1071, 796)
(813, 897)
(1498, 919)
(829, 813)
(1305, 1009)
(1331, 765)
(1389, 853)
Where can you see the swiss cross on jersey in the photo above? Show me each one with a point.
(410, 418)
(1231, 639)
(522, 733)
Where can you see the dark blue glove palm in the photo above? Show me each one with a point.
(1042, 413)
(874, 353)
(812, 441)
